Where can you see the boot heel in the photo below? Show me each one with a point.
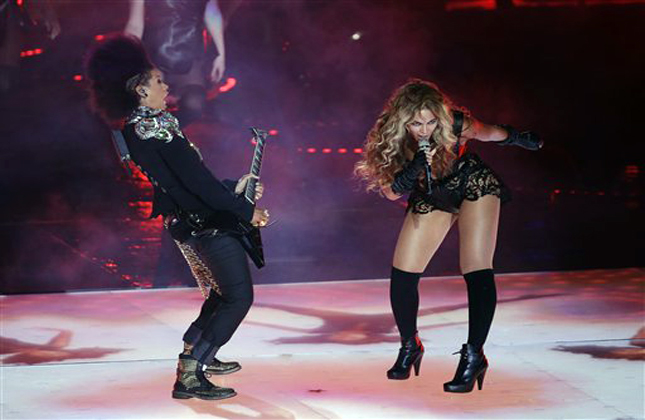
(410, 355)
(480, 380)
(417, 365)
(472, 368)
(181, 396)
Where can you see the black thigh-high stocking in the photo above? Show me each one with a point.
(404, 298)
(482, 299)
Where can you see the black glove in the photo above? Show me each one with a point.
(405, 179)
(526, 139)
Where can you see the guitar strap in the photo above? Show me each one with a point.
(122, 150)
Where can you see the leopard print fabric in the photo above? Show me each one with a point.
(203, 275)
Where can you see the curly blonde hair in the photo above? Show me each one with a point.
(389, 145)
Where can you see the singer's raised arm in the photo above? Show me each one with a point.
(477, 130)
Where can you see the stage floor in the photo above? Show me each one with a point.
(563, 345)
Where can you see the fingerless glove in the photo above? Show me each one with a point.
(525, 139)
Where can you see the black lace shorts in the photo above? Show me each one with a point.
(470, 180)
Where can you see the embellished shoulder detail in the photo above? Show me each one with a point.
(154, 123)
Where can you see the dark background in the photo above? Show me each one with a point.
(72, 219)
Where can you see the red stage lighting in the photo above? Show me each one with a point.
(452, 5)
(99, 37)
(78, 77)
(311, 150)
(326, 150)
(342, 150)
(230, 84)
(358, 150)
(632, 171)
(273, 132)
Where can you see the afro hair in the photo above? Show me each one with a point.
(108, 67)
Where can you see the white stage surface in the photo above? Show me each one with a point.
(564, 345)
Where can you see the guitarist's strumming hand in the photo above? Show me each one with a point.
(260, 217)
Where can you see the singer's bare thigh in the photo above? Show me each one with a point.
(478, 221)
(420, 238)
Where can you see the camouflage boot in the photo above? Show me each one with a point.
(222, 368)
(192, 383)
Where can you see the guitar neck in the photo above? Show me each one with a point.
(256, 164)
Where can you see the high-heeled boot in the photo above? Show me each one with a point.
(472, 367)
(410, 354)
(192, 382)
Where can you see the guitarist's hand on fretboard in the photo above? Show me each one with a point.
(259, 190)
(241, 186)
(241, 183)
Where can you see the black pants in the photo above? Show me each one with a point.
(220, 314)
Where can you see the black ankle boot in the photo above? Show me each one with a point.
(222, 368)
(192, 382)
(410, 354)
(472, 367)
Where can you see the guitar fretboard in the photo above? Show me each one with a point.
(256, 163)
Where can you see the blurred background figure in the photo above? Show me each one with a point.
(16, 19)
(174, 32)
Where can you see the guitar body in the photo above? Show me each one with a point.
(252, 242)
(248, 235)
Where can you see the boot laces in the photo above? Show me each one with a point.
(464, 355)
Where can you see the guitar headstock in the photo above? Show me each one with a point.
(259, 134)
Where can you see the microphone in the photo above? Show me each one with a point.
(424, 145)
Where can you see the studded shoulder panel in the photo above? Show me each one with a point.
(152, 123)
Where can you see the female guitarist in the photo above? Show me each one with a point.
(127, 87)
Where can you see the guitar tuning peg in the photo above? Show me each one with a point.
(258, 132)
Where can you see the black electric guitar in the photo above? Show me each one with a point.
(249, 234)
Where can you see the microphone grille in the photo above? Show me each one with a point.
(424, 143)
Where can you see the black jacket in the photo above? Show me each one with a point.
(181, 180)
